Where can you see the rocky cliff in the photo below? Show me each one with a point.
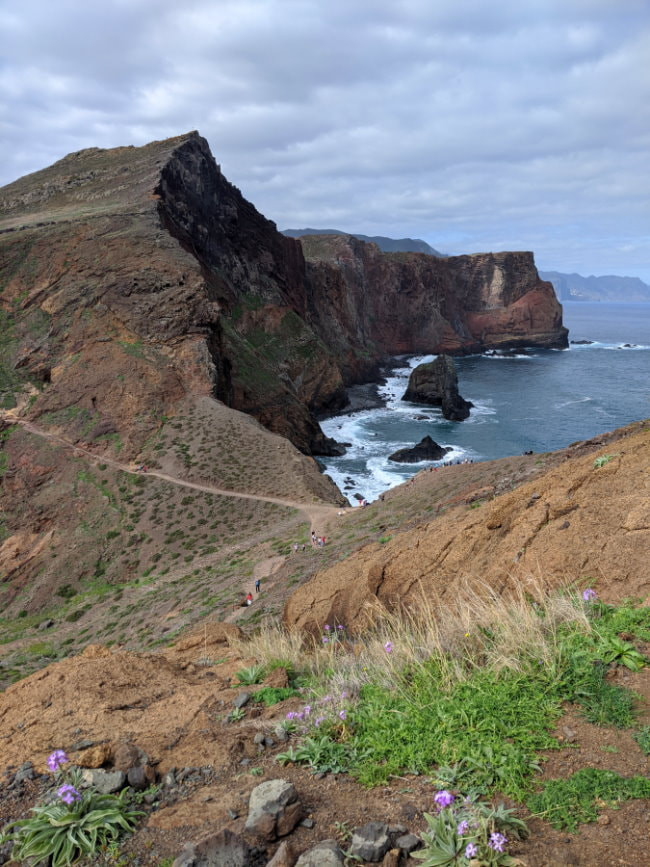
(131, 277)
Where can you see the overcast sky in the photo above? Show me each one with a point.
(473, 124)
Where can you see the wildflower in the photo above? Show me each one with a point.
(463, 828)
(342, 714)
(307, 709)
(388, 647)
(344, 694)
(471, 850)
(325, 639)
(292, 714)
(327, 627)
(340, 626)
(326, 698)
(56, 759)
(467, 635)
(443, 798)
(497, 841)
(319, 720)
(68, 794)
(589, 595)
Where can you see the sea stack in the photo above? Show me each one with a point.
(436, 383)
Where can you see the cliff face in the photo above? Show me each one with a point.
(409, 302)
(134, 276)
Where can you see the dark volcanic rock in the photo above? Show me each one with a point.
(436, 383)
(425, 450)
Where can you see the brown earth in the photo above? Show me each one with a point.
(580, 524)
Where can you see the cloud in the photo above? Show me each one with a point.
(473, 125)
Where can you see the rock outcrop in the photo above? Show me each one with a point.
(426, 450)
(585, 518)
(436, 383)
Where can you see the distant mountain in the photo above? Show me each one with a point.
(574, 287)
(387, 245)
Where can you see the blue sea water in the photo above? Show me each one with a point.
(540, 400)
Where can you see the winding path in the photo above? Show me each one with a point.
(317, 514)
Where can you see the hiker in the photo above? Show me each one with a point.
(249, 599)
(258, 585)
(313, 538)
(295, 547)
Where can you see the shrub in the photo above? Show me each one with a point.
(568, 803)
(71, 826)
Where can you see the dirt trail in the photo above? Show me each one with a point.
(316, 514)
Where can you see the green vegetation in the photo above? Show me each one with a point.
(270, 695)
(71, 825)
(571, 802)
(473, 699)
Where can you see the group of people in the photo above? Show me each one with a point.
(249, 596)
(317, 541)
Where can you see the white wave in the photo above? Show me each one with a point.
(569, 402)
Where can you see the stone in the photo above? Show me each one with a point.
(273, 810)
(94, 756)
(426, 450)
(370, 842)
(105, 782)
(25, 772)
(391, 858)
(328, 853)
(141, 777)
(284, 857)
(408, 843)
(223, 849)
(126, 755)
(169, 779)
(436, 383)
(259, 739)
(46, 624)
(242, 699)
(308, 823)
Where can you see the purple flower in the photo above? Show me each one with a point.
(471, 850)
(307, 709)
(463, 828)
(319, 720)
(68, 794)
(344, 694)
(497, 841)
(325, 639)
(56, 759)
(292, 714)
(388, 647)
(342, 714)
(443, 798)
(589, 595)
(327, 627)
(326, 698)
(340, 626)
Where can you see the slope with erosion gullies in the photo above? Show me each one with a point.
(87, 542)
(585, 522)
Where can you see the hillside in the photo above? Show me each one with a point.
(576, 516)
(150, 315)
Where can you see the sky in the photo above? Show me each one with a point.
(475, 125)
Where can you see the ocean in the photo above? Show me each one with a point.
(539, 400)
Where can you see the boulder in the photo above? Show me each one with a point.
(436, 383)
(328, 853)
(425, 450)
(370, 842)
(284, 857)
(223, 849)
(105, 782)
(273, 809)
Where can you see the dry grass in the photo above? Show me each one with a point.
(480, 629)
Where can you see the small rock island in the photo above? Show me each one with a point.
(436, 383)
